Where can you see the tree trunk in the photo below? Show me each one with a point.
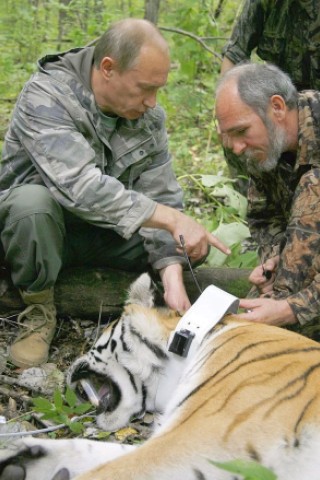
(62, 21)
(85, 293)
(151, 10)
(218, 10)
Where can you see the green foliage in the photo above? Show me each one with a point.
(222, 210)
(250, 470)
(64, 409)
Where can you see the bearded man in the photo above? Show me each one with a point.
(263, 119)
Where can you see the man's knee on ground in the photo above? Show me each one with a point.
(30, 199)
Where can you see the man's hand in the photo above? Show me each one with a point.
(175, 294)
(258, 275)
(267, 310)
(197, 238)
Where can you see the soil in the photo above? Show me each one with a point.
(73, 338)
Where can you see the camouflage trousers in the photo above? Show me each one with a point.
(39, 238)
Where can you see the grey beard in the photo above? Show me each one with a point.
(277, 145)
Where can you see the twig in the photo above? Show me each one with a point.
(33, 432)
(99, 324)
(17, 396)
(43, 430)
(198, 39)
(194, 37)
(16, 382)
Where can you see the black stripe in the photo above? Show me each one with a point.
(132, 379)
(122, 340)
(256, 359)
(142, 410)
(113, 345)
(254, 455)
(144, 396)
(97, 359)
(266, 356)
(304, 411)
(100, 348)
(301, 378)
(198, 474)
(158, 351)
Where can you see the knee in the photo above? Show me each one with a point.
(30, 200)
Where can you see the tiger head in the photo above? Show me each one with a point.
(123, 368)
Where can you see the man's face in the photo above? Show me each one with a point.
(277, 145)
(244, 132)
(129, 94)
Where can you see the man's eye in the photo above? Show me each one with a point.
(241, 132)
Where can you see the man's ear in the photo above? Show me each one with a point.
(107, 65)
(278, 107)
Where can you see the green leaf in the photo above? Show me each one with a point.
(52, 416)
(63, 408)
(76, 427)
(214, 180)
(67, 410)
(58, 399)
(232, 198)
(242, 260)
(82, 408)
(42, 404)
(63, 418)
(71, 397)
(230, 234)
(249, 469)
(103, 435)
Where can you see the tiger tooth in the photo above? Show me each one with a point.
(93, 397)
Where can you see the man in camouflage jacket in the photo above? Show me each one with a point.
(285, 33)
(261, 116)
(86, 177)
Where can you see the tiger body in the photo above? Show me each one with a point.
(251, 391)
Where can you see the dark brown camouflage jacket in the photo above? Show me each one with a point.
(284, 215)
(283, 32)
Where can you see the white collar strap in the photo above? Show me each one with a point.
(212, 305)
(204, 314)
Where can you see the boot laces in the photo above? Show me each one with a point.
(34, 317)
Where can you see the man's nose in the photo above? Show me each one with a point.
(238, 146)
(151, 100)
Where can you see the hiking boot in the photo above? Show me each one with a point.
(37, 326)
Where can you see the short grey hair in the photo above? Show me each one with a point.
(123, 41)
(257, 82)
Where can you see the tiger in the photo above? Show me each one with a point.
(251, 391)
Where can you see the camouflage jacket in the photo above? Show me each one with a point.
(284, 32)
(284, 214)
(57, 137)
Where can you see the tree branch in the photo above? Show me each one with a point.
(194, 37)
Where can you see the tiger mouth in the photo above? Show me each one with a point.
(101, 391)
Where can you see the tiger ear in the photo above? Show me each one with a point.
(141, 291)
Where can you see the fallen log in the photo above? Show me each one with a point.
(86, 293)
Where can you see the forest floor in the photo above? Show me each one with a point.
(18, 388)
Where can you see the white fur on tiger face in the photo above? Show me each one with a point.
(128, 358)
(252, 391)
